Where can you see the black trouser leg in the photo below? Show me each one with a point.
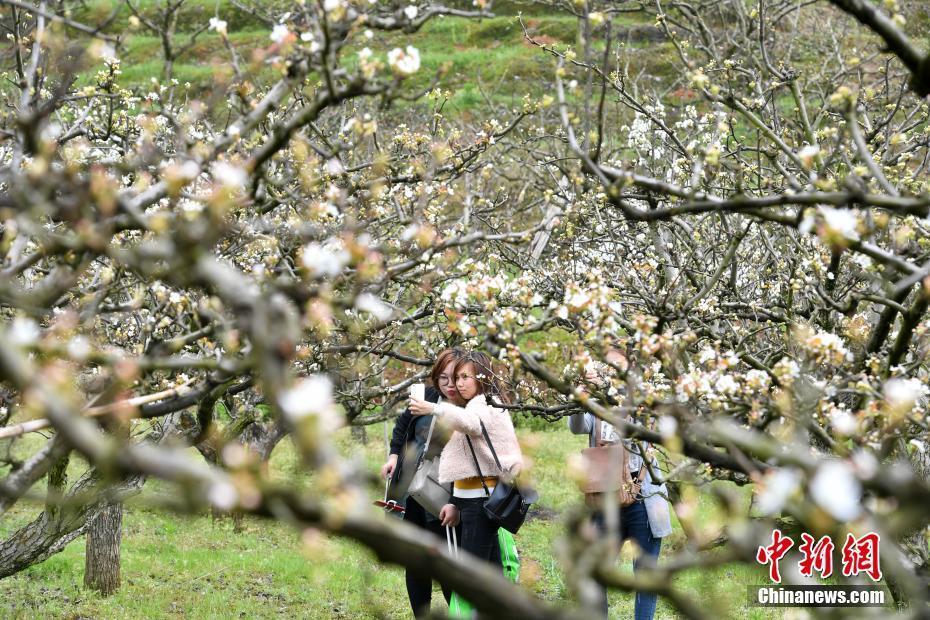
(419, 589)
(479, 536)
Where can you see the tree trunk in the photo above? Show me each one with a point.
(360, 434)
(58, 525)
(101, 559)
(53, 529)
(103, 538)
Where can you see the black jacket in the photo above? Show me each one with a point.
(409, 439)
(404, 427)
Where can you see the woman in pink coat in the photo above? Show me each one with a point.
(476, 383)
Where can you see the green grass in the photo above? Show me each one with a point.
(192, 566)
(487, 59)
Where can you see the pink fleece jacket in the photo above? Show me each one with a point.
(456, 461)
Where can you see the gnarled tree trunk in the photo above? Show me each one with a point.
(52, 530)
(102, 542)
(101, 558)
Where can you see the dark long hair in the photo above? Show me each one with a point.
(442, 360)
(488, 381)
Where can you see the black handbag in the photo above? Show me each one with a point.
(507, 505)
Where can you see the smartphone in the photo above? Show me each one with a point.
(418, 391)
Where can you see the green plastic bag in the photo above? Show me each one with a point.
(510, 560)
(459, 607)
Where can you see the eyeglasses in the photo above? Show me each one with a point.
(445, 380)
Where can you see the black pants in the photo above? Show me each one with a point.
(420, 589)
(479, 536)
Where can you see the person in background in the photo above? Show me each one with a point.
(411, 431)
(647, 520)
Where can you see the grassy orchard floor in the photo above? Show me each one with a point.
(174, 566)
(487, 57)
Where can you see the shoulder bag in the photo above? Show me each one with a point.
(425, 487)
(507, 505)
(607, 470)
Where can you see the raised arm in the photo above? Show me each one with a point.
(463, 420)
(402, 425)
(581, 423)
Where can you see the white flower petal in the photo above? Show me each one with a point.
(837, 490)
(366, 302)
(775, 489)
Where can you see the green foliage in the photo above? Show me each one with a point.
(530, 422)
(264, 411)
(191, 16)
(220, 412)
(489, 55)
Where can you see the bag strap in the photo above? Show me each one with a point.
(451, 542)
(647, 455)
(429, 437)
(487, 438)
(478, 467)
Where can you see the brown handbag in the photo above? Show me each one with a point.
(607, 470)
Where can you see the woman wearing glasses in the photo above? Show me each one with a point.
(476, 384)
(410, 435)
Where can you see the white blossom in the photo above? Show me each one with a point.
(306, 396)
(707, 354)
(807, 155)
(862, 260)
(668, 426)
(787, 370)
(726, 385)
(312, 396)
(776, 487)
(758, 379)
(279, 33)
(827, 348)
(841, 221)
(78, 348)
(223, 495)
(835, 489)
(334, 166)
(23, 332)
(324, 261)
(405, 62)
(218, 25)
(902, 394)
(366, 302)
(229, 175)
(864, 463)
(411, 12)
(843, 421)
